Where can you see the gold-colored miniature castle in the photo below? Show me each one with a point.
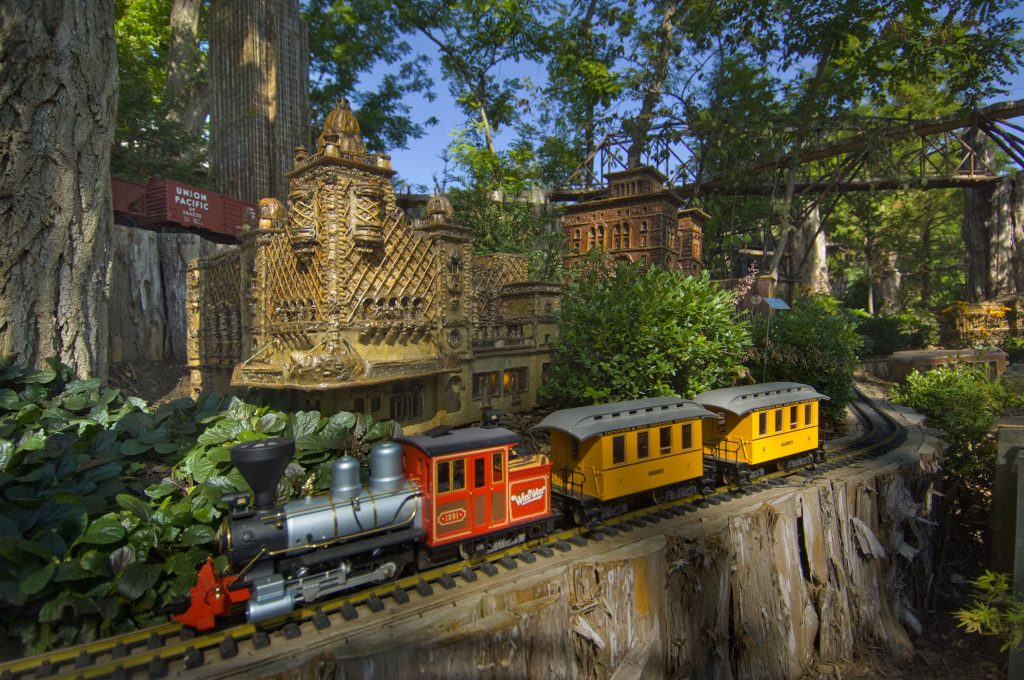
(342, 303)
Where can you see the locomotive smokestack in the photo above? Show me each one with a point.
(262, 462)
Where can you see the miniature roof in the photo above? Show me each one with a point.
(466, 439)
(746, 398)
(341, 125)
(438, 204)
(589, 421)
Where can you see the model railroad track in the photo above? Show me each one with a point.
(154, 652)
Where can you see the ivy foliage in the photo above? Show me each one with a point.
(107, 506)
(643, 332)
(813, 343)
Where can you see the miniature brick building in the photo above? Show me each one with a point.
(341, 303)
(639, 219)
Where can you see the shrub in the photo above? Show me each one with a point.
(641, 332)
(962, 401)
(107, 507)
(812, 343)
(883, 335)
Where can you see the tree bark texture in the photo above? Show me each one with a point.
(811, 252)
(765, 587)
(992, 229)
(641, 125)
(58, 99)
(185, 92)
(147, 292)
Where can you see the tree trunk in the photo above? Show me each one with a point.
(185, 95)
(641, 125)
(889, 284)
(58, 98)
(803, 117)
(927, 267)
(811, 249)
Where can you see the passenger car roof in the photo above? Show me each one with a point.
(746, 398)
(585, 422)
(466, 439)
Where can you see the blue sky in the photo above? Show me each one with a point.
(421, 162)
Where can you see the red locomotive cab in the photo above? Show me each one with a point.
(478, 487)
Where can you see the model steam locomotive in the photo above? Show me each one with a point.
(458, 493)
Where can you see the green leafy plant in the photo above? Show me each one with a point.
(108, 506)
(995, 611)
(813, 343)
(962, 401)
(639, 332)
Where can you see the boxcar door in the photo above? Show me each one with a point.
(480, 491)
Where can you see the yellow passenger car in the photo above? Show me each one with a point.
(761, 428)
(607, 456)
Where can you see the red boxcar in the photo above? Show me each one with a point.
(478, 486)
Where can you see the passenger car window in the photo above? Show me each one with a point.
(762, 423)
(618, 450)
(498, 468)
(687, 436)
(458, 475)
(807, 414)
(444, 477)
(778, 420)
(642, 450)
(479, 472)
(666, 439)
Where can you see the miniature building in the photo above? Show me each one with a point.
(639, 219)
(975, 324)
(259, 70)
(346, 305)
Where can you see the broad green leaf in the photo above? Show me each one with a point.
(134, 505)
(133, 447)
(44, 376)
(136, 579)
(103, 532)
(158, 491)
(36, 579)
(197, 534)
(9, 399)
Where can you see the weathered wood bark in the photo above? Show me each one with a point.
(147, 298)
(58, 98)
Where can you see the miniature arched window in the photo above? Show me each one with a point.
(626, 228)
(617, 238)
(590, 241)
(600, 237)
(643, 227)
(455, 264)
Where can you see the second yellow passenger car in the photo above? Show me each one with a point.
(762, 428)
